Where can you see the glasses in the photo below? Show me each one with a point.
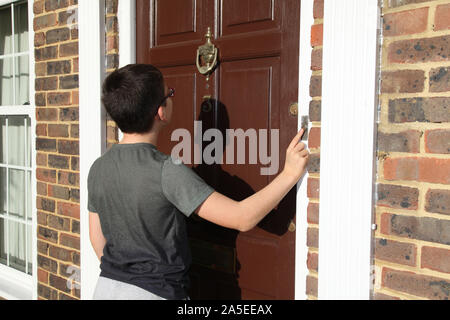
(170, 94)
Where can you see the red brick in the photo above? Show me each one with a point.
(58, 162)
(58, 130)
(46, 175)
(59, 283)
(314, 138)
(46, 114)
(41, 159)
(68, 49)
(419, 110)
(312, 284)
(434, 170)
(312, 237)
(401, 169)
(419, 50)
(438, 201)
(41, 188)
(318, 9)
(317, 35)
(406, 141)
(313, 213)
(313, 261)
(437, 141)
(42, 276)
(440, 79)
(69, 178)
(58, 98)
(41, 129)
(419, 228)
(58, 223)
(45, 84)
(38, 7)
(382, 296)
(59, 192)
(39, 39)
(396, 252)
(418, 169)
(442, 17)
(69, 241)
(398, 197)
(405, 22)
(316, 59)
(415, 284)
(68, 147)
(313, 189)
(315, 86)
(47, 234)
(41, 22)
(69, 209)
(437, 259)
(402, 81)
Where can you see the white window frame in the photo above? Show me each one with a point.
(16, 285)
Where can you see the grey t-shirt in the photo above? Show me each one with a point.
(143, 198)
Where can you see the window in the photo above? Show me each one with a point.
(16, 158)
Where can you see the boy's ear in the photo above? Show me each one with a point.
(161, 114)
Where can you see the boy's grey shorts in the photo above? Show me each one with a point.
(109, 289)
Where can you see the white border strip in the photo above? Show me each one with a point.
(301, 249)
(126, 15)
(91, 24)
(347, 148)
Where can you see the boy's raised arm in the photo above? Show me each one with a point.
(246, 214)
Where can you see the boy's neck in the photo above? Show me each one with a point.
(150, 137)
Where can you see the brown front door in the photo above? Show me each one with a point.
(254, 83)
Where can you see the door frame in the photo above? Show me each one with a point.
(91, 25)
(348, 153)
(93, 138)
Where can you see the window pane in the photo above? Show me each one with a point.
(22, 78)
(17, 245)
(5, 30)
(21, 27)
(6, 82)
(3, 140)
(17, 193)
(3, 191)
(3, 251)
(16, 140)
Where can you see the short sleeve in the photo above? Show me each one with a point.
(183, 187)
(91, 198)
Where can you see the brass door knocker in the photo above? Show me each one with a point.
(206, 56)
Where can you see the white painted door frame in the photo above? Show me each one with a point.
(91, 24)
(342, 275)
(349, 83)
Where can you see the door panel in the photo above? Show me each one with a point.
(241, 16)
(251, 88)
(185, 24)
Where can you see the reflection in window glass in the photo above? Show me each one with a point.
(22, 78)
(20, 27)
(6, 82)
(5, 30)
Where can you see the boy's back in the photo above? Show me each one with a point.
(141, 196)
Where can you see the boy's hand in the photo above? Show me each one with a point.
(296, 158)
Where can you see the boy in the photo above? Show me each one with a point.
(138, 197)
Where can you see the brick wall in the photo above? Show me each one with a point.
(57, 141)
(112, 60)
(57, 173)
(314, 146)
(412, 242)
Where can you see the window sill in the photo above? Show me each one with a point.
(14, 285)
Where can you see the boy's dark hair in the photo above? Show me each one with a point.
(131, 96)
